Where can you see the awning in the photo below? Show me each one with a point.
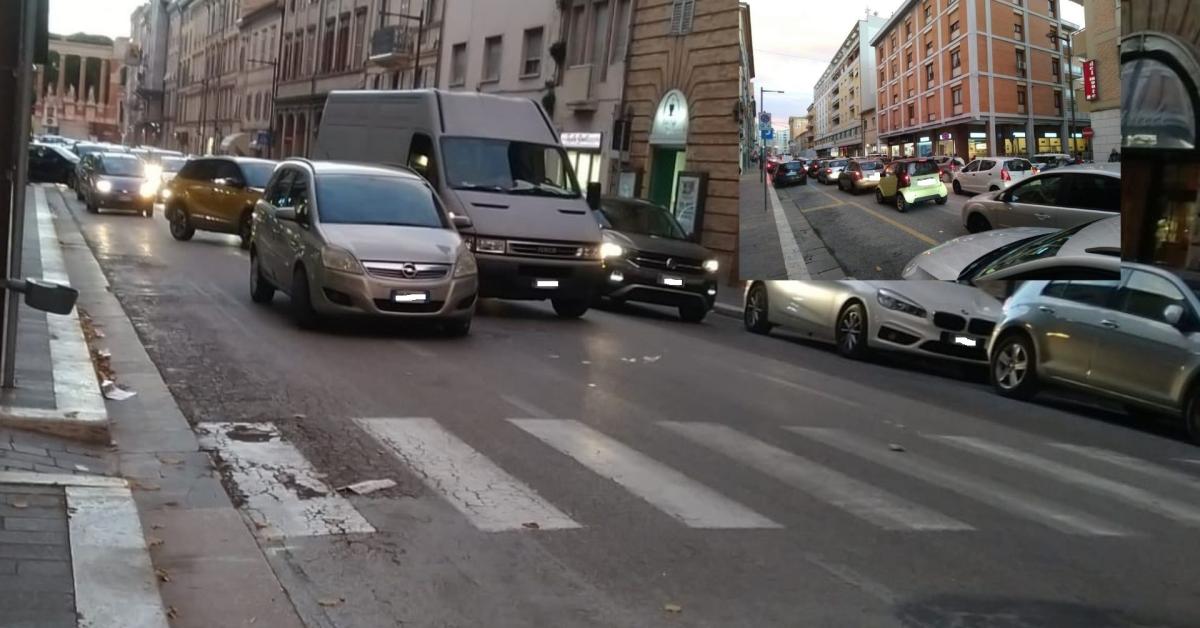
(236, 144)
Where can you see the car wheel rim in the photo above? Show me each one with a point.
(1012, 365)
(851, 329)
(754, 311)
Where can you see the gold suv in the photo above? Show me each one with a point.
(215, 194)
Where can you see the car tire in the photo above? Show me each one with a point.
(901, 204)
(978, 223)
(245, 230)
(852, 331)
(879, 198)
(692, 313)
(456, 327)
(302, 308)
(570, 308)
(261, 290)
(1014, 367)
(1191, 414)
(180, 224)
(755, 314)
(957, 187)
(941, 200)
(148, 212)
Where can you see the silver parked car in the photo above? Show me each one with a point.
(831, 170)
(1059, 199)
(930, 318)
(1135, 340)
(1024, 253)
(355, 239)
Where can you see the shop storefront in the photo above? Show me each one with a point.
(1160, 162)
(977, 144)
(924, 146)
(945, 144)
(583, 151)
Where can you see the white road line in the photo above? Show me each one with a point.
(1152, 502)
(114, 578)
(284, 494)
(980, 489)
(490, 498)
(1132, 464)
(793, 257)
(694, 504)
(857, 498)
(801, 387)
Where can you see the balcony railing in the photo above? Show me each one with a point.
(393, 45)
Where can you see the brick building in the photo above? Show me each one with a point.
(681, 90)
(975, 77)
(1160, 159)
(1097, 44)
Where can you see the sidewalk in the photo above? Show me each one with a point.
(778, 242)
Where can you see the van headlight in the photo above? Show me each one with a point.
(490, 245)
(898, 303)
(148, 189)
(465, 264)
(103, 187)
(711, 265)
(340, 260)
(611, 249)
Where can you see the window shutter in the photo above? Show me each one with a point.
(682, 12)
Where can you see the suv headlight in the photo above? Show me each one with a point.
(104, 187)
(149, 189)
(340, 260)
(894, 301)
(465, 264)
(611, 249)
(490, 245)
(711, 265)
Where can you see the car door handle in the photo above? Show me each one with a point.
(1047, 310)
(1109, 324)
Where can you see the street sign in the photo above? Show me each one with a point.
(1090, 91)
(764, 118)
(1088, 132)
(768, 134)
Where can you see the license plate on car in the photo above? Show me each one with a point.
(546, 283)
(672, 281)
(123, 197)
(965, 341)
(409, 296)
(927, 182)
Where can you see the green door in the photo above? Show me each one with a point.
(662, 176)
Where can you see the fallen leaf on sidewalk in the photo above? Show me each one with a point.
(331, 601)
(651, 358)
(591, 385)
(553, 356)
(532, 525)
(895, 447)
(298, 416)
(153, 541)
(673, 608)
(585, 361)
(162, 574)
(368, 486)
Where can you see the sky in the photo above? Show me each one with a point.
(794, 41)
(95, 17)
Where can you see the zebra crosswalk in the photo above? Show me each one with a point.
(287, 497)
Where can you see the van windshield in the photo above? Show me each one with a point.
(506, 166)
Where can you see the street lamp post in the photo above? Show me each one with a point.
(762, 162)
(420, 20)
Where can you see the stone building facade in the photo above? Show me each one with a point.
(79, 92)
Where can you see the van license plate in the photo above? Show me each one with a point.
(409, 296)
(546, 283)
(927, 182)
(672, 281)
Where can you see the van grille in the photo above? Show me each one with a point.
(402, 270)
(560, 250)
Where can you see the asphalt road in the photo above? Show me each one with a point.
(868, 239)
(660, 483)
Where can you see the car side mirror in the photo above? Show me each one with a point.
(47, 297)
(460, 221)
(1173, 314)
(593, 195)
(286, 213)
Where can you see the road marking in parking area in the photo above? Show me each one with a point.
(793, 258)
(891, 221)
(1132, 464)
(820, 207)
(1152, 502)
(285, 496)
(819, 481)
(1057, 516)
(688, 501)
(489, 497)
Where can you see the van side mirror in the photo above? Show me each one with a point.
(47, 297)
(461, 222)
(1173, 314)
(593, 194)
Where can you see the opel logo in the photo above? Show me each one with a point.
(671, 263)
(409, 270)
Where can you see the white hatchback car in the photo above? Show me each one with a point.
(988, 174)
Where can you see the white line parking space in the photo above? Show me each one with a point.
(490, 498)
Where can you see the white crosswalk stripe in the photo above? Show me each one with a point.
(489, 497)
(1165, 506)
(853, 496)
(694, 504)
(284, 494)
(1130, 463)
(1029, 506)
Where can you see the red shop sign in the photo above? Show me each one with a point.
(1089, 80)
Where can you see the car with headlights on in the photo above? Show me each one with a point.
(648, 258)
(352, 239)
(906, 182)
(215, 194)
(933, 318)
(117, 181)
(82, 150)
(790, 173)
(1023, 253)
(1134, 339)
(1062, 198)
(860, 175)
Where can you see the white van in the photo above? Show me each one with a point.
(496, 160)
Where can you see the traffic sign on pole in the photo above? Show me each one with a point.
(1088, 132)
(768, 134)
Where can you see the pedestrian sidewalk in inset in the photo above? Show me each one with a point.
(775, 240)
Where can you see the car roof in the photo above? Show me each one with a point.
(347, 167)
(108, 153)
(1103, 234)
(1108, 168)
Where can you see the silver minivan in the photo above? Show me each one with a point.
(495, 159)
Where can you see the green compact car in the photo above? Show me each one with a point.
(906, 182)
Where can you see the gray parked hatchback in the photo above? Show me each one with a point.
(1135, 340)
(1061, 198)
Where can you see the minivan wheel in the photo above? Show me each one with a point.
(957, 187)
(693, 313)
(1014, 367)
(1192, 414)
(261, 289)
(302, 308)
(244, 230)
(852, 332)
(977, 223)
(754, 315)
(181, 227)
(570, 308)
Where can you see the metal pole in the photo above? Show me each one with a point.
(762, 94)
(24, 98)
(1071, 80)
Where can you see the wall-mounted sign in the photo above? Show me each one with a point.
(978, 136)
(628, 183)
(1090, 90)
(1018, 134)
(1049, 134)
(690, 193)
(924, 139)
(945, 136)
(670, 126)
(586, 141)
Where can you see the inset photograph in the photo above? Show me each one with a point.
(932, 139)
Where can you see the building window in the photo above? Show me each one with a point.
(1054, 38)
(1019, 31)
(531, 55)
(927, 9)
(458, 65)
(954, 30)
(912, 115)
(928, 75)
(577, 35)
(895, 70)
(929, 47)
(1055, 69)
(343, 44)
(955, 62)
(492, 48)
(908, 60)
(1052, 7)
(893, 49)
(907, 29)
(956, 96)
(882, 77)
(1020, 99)
(620, 31)
(327, 47)
(360, 33)
(599, 39)
(1058, 101)
(1021, 63)
(681, 16)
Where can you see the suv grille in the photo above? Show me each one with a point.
(400, 270)
(561, 250)
(667, 262)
